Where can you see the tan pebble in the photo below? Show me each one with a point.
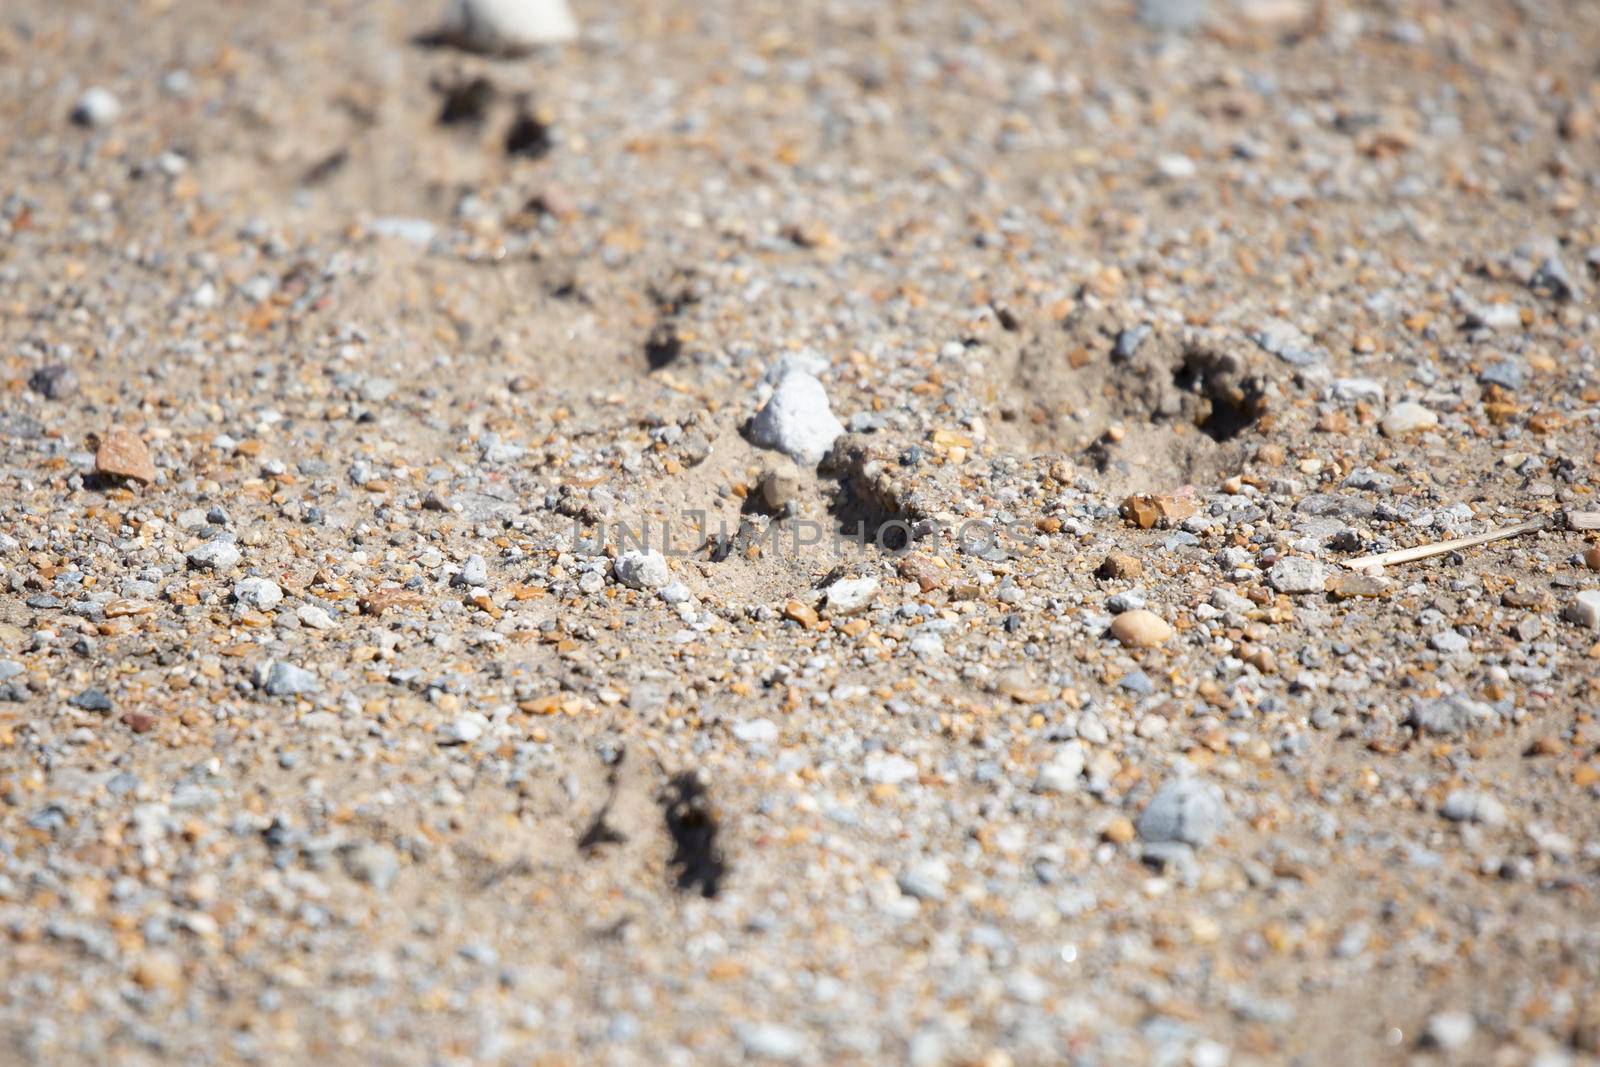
(780, 484)
(803, 614)
(158, 970)
(123, 455)
(1591, 559)
(1119, 831)
(1140, 629)
(1120, 565)
(1141, 511)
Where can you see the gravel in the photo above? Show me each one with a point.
(413, 336)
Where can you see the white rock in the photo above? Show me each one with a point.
(756, 731)
(797, 420)
(1498, 317)
(1064, 772)
(882, 768)
(1176, 167)
(926, 879)
(508, 27)
(1584, 609)
(771, 1041)
(1296, 574)
(1465, 805)
(642, 570)
(465, 730)
(259, 593)
(214, 556)
(1408, 417)
(1449, 1030)
(850, 595)
(96, 107)
(1353, 389)
(314, 617)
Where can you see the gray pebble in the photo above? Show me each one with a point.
(1186, 810)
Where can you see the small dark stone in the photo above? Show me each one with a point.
(55, 382)
(91, 699)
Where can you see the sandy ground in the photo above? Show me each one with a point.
(329, 733)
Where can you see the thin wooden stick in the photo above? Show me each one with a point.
(1408, 555)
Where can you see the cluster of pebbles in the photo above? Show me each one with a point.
(765, 533)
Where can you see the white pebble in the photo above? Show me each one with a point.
(465, 730)
(95, 108)
(258, 593)
(642, 570)
(850, 595)
(507, 27)
(1584, 609)
(1408, 417)
(1063, 772)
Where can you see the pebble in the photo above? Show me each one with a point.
(642, 570)
(464, 730)
(1120, 565)
(97, 107)
(508, 27)
(372, 863)
(1297, 575)
(259, 593)
(1064, 771)
(1408, 417)
(756, 731)
(1172, 14)
(216, 556)
(1184, 810)
(91, 700)
(55, 382)
(122, 454)
(1141, 629)
(315, 617)
(1466, 805)
(797, 420)
(474, 572)
(850, 596)
(927, 879)
(1452, 715)
(883, 768)
(780, 484)
(281, 679)
(1449, 1030)
(1584, 609)
(771, 1041)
